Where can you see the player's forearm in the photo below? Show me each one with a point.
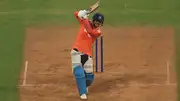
(89, 28)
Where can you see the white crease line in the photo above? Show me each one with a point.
(127, 85)
(25, 73)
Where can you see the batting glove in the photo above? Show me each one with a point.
(83, 14)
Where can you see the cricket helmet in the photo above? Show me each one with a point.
(98, 17)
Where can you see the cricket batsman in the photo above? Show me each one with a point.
(81, 53)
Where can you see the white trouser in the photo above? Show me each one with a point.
(80, 59)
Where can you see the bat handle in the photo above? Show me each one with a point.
(88, 10)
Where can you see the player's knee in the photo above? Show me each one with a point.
(89, 76)
(89, 79)
(79, 72)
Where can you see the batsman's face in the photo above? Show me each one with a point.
(97, 24)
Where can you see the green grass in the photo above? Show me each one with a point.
(11, 41)
(121, 17)
(141, 12)
(17, 14)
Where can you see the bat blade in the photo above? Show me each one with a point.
(94, 7)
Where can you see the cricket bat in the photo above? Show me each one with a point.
(94, 7)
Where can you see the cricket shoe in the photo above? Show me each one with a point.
(83, 96)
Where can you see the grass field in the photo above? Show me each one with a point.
(141, 12)
(11, 41)
(15, 15)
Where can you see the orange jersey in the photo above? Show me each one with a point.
(86, 36)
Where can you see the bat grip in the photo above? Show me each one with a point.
(88, 10)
